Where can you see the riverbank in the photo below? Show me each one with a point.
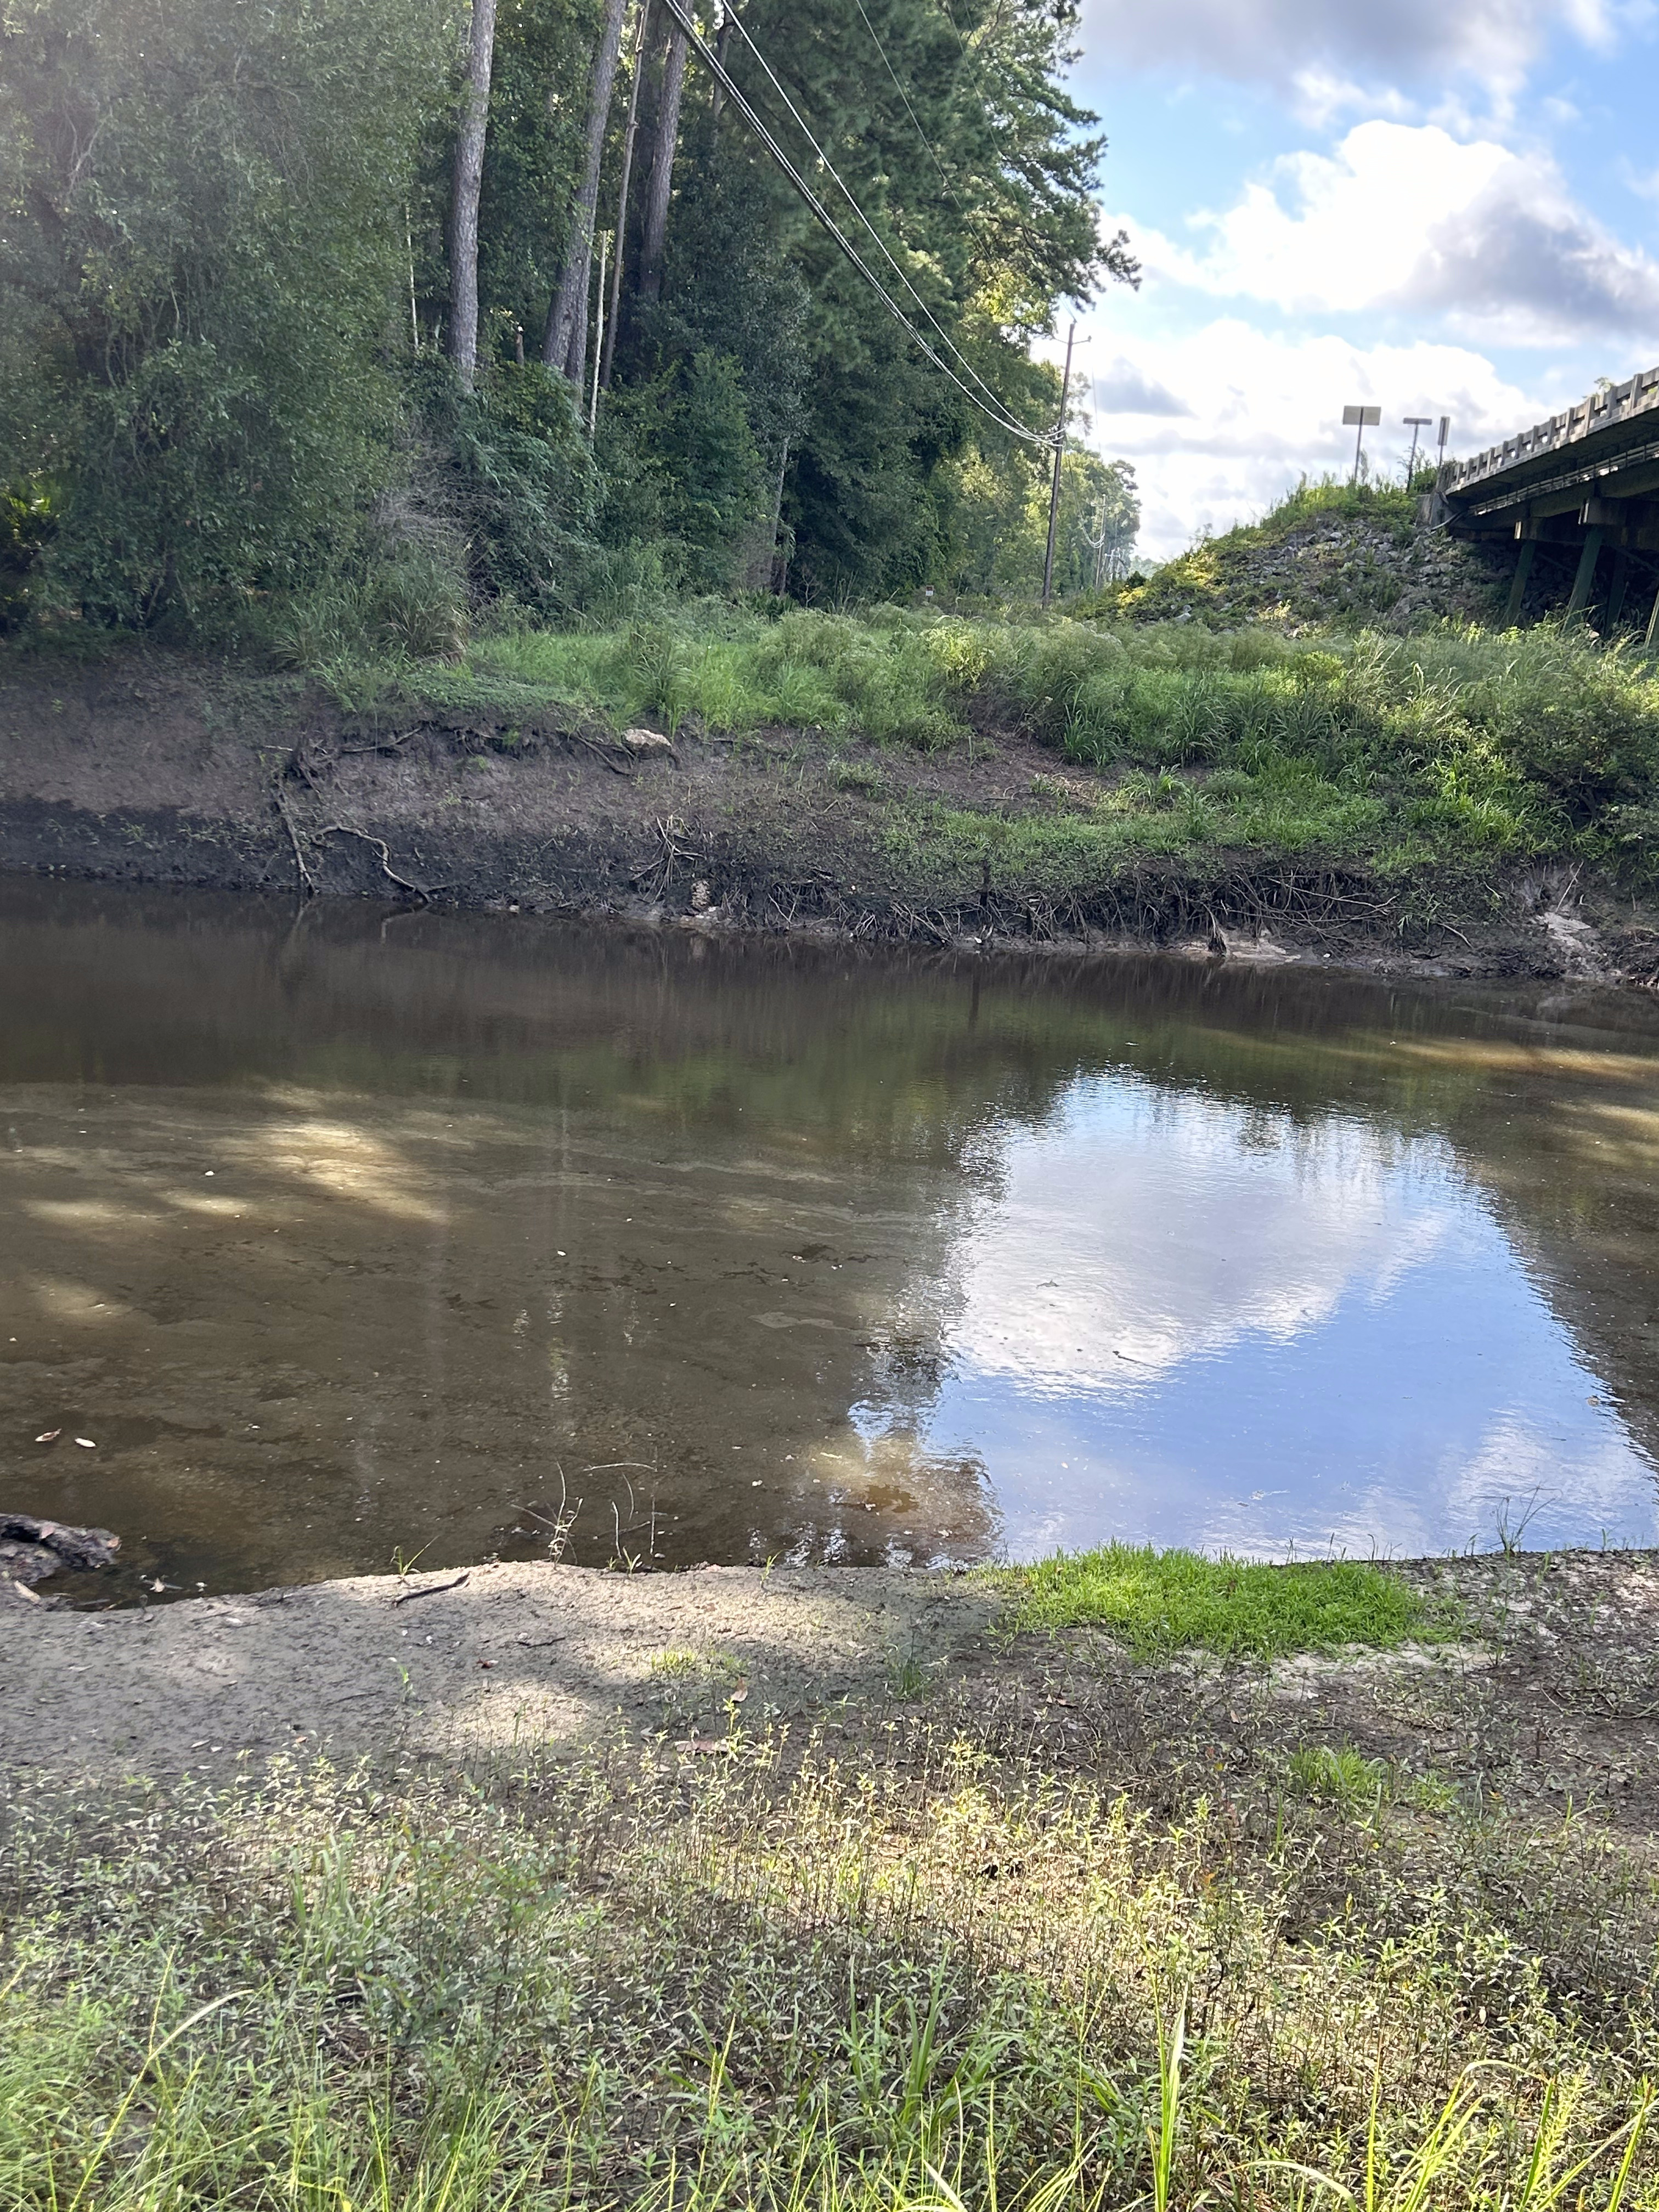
(1512, 1654)
(985, 816)
(794, 1908)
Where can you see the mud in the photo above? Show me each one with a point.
(468, 1660)
(1543, 1703)
(148, 767)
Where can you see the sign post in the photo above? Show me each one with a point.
(1414, 423)
(1359, 420)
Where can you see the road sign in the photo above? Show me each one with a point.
(1359, 420)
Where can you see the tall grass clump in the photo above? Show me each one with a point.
(1456, 743)
(734, 672)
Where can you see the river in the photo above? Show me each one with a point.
(368, 1237)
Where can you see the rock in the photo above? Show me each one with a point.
(31, 1549)
(646, 741)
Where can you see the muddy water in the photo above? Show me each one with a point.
(367, 1234)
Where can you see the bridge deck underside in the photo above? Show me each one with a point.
(1578, 499)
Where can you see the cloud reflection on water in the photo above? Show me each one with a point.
(1324, 1311)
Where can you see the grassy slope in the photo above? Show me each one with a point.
(1327, 554)
(922, 1960)
(1449, 755)
(1227, 748)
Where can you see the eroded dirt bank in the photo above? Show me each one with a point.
(1547, 1696)
(147, 768)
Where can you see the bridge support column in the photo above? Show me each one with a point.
(1518, 588)
(1586, 576)
(1617, 588)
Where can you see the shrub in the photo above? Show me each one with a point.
(202, 225)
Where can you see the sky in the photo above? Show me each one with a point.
(1437, 207)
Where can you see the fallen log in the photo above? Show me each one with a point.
(31, 1549)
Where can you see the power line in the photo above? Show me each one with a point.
(902, 275)
(908, 110)
(998, 405)
(705, 54)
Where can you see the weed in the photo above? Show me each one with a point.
(1513, 1519)
(908, 1677)
(857, 775)
(897, 1980)
(1342, 1775)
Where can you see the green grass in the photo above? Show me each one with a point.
(1452, 755)
(1161, 1602)
(887, 680)
(1341, 1775)
(1337, 1774)
(899, 1972)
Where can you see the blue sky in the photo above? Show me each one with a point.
(1437, 206)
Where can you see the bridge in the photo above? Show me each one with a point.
(1578, 497)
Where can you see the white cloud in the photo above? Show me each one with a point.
(1409, 219)
(1255, 409)
(1519, 1466)
(1123, 389)
(1259, 1227)
(1314, 46)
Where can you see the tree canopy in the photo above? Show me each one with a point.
(228, 302)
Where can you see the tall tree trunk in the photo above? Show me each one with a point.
(565, 345)
(464, 205)
(608, 352)
(723, 40)
(666, 137)
(575, 360)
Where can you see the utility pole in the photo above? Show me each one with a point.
(1060, 450)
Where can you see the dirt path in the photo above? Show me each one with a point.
(448, 1664)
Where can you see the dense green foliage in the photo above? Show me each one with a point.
(197, 258)
(224, 304)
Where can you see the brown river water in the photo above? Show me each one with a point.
(369, 1236)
